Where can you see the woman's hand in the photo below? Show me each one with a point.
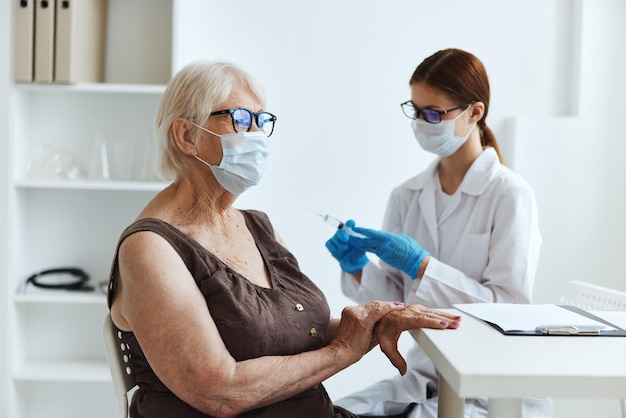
(389, 328)
(351, 258)
(398, 250)
(355, 333)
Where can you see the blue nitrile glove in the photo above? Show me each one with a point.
(398, 250)
(351, 258)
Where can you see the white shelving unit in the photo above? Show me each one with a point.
(56, 364)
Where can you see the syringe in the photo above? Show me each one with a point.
(336, 223)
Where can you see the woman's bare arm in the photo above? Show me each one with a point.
(160, 302)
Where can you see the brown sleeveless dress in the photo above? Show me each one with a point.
(253, 321)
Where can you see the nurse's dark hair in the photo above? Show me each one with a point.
(463, 78)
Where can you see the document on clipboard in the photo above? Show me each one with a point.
(541, 319)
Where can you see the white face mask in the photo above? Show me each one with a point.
(439, 137)
(243, 162)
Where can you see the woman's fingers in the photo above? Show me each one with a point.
(389, 328)
(389, 346)
(429, 317)
(416, 316)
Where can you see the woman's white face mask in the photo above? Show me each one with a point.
(244, 160)
(439, 138)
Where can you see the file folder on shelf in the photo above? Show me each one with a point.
(80, 40)
(44, 41)
(24, 32)
(541, 320)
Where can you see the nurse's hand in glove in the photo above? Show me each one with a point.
(351, 258)
(398, 250)
(389, 327)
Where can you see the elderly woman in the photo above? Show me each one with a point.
(219, 319)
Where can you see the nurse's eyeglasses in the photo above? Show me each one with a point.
(242, 119)
(429, 115)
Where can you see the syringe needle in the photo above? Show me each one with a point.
(336, 223)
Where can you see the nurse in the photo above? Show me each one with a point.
(464, 230)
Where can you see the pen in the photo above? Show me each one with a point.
(569, 330)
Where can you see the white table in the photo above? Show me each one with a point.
(476, 360)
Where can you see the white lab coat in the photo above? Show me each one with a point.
(484, 248)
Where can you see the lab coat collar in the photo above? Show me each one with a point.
(476, 178)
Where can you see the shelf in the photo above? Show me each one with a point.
(56, 363)
(64, 371)
(92, 185)
(61, 297)
(116, 88)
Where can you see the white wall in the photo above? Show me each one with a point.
(576, 164)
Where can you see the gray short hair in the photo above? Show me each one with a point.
(193, 93)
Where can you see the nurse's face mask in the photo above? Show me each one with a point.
(439, 138)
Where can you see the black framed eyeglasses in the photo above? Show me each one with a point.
(242, 119)
(429, 115)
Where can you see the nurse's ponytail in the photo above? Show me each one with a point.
(463, 78)
(488, 139)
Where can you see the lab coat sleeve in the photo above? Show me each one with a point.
(513, 253)
(374, 286)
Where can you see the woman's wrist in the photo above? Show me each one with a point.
(339, 355)
(357, 276)
(422, 268)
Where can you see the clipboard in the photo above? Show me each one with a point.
(580, 323)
